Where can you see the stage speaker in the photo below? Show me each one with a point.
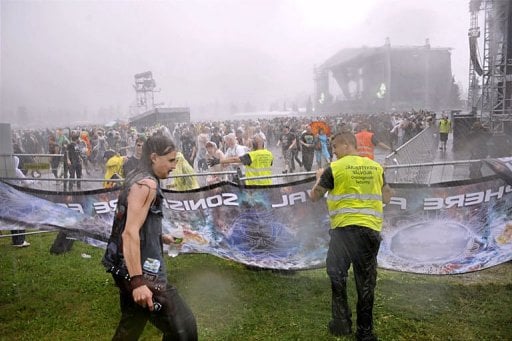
(461, 127)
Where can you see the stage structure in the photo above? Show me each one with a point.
(148, 114)
(161, 116)
(386, 78)
(145, 88)
(490, 79)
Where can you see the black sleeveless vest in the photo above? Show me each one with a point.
(151, 247)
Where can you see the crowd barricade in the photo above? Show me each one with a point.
(33, 166)
(36, 165)
(434, 172)
(237, 178)
(416, 173)
(47, 181)
(37, 169)
(410, 163)
(414, 155)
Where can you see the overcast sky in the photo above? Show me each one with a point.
(77, 57)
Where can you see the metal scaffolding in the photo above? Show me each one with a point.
(475, 68)
(493, 95)
(145, 88)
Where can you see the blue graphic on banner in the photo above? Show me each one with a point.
(275, 227)
(448, 229)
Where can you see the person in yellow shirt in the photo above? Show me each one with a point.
(356, 192)
(113, 169)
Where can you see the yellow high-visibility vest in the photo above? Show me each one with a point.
(444, 126)
(261, 163)
(357, 195)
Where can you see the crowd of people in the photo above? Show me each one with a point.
(300, 146)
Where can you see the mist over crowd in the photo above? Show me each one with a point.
(66, 63)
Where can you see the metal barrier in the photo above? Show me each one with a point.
(420, 149)
(414, 172)
(35, 163)
(435, 172)
(10, 235)
(240, 178)
(47, 182)
(38, 162)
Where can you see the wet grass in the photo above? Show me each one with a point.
(67, 297)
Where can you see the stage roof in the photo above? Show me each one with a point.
(349, 55)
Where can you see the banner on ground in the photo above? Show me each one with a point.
(447, 228)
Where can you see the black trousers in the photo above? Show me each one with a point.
(75, 171)
(307, 159)
(356, 245)
(175, 319)
(295, 157)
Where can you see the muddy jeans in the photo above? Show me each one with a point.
(175, 319)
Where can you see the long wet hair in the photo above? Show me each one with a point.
(158, 144)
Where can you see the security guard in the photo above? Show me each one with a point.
(366, 142)
(445, 126)
(258, 162)
(357, 190)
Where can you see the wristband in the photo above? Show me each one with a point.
(137, 281)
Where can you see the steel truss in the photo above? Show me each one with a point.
(495, 101)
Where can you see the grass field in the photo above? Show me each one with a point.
(67, 297)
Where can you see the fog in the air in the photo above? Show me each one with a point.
(75, 61)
